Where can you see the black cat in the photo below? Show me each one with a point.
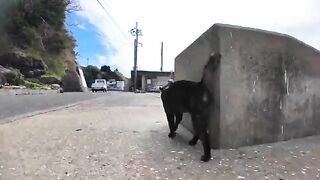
(194, 98)
(191, 97)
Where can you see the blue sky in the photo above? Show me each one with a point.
(89, 43)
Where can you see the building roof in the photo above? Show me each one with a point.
(152, 73)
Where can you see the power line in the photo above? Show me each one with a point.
(112, 19)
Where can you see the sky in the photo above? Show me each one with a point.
(103, 37)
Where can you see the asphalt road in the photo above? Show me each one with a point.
(12, 106)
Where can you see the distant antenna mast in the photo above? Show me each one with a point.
(161, 68)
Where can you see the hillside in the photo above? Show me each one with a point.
(34, 43)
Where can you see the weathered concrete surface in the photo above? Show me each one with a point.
(124, 136)
(266, 88)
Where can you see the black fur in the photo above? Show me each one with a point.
(192, 97)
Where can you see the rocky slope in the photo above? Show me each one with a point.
(34, 43)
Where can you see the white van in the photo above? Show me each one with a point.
(99, 85)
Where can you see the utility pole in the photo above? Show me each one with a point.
(135, 32)
(161, 57)
(87, 61)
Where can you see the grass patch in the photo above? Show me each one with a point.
(34, 80)
(51, 74)
(34, 53)
(32, 85)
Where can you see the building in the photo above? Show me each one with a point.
(149, 81)
(116, 85)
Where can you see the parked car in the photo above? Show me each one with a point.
(99, 85)
(154, 88)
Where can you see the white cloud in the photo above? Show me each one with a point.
(81, 26)
(178, 23)
(102, 60)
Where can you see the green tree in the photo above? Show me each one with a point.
(91, 73)
(109, 74)
(105, 69)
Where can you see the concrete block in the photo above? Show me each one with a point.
(266, 88)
